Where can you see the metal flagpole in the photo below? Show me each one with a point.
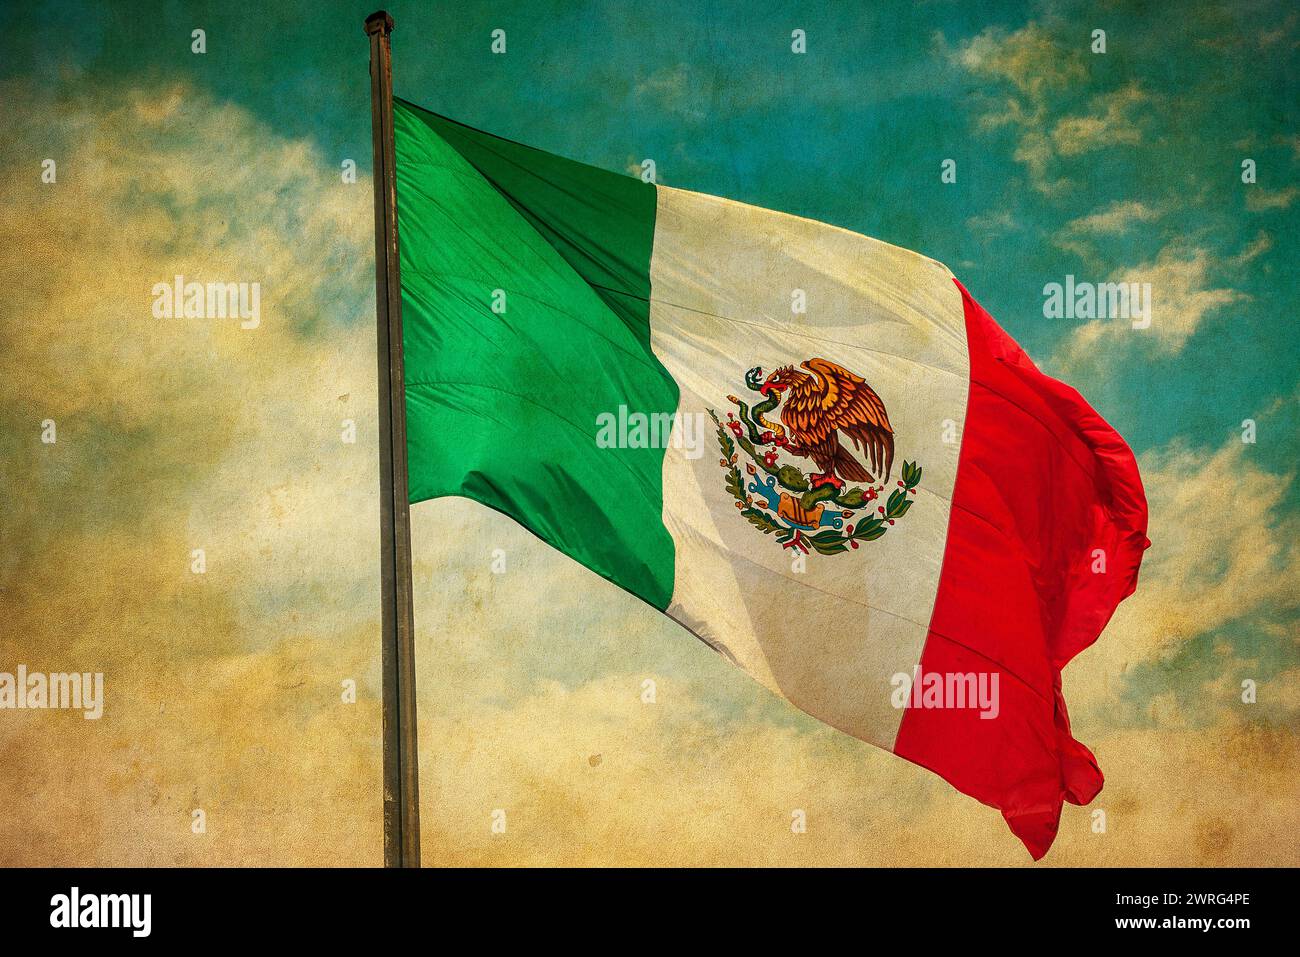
(401, 779)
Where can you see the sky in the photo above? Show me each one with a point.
(225, 690)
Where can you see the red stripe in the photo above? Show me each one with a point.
(1042, 482)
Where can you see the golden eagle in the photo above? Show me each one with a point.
(821, 403)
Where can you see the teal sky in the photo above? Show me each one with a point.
(1126, 164)
(852, 132)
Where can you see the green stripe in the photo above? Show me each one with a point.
(502, 407)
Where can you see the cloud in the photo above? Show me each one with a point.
(1080, 236)
(1114, 219)
(668, 86)
(223, 690)
(670, 90)
(1033, 79)
(590, 775)
(553, 731)
(1111, 120)
(1029, 59)
(1184, 291)
(1283, 31)
(1224, 549)
(1258, 200)
(992, 224)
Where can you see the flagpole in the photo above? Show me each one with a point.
(401, 777)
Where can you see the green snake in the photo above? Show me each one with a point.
(753, 416)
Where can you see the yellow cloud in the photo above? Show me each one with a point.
(592, 776)
(1029, 58)
(1118, 217)
(1183, 293)
(1258, 200)
(1111, 121)
(223, 690)
(1202, 571)
(1040, 72)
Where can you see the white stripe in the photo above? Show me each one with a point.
(830, 637)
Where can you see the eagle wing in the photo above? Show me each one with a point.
(848, 400)
(851, 406)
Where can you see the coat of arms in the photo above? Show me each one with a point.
(821, 405)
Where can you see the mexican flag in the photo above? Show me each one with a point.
(812, 449)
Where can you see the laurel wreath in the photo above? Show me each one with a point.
(828, 541)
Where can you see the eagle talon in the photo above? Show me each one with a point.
(828, 478)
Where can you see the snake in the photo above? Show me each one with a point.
(754, 416)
